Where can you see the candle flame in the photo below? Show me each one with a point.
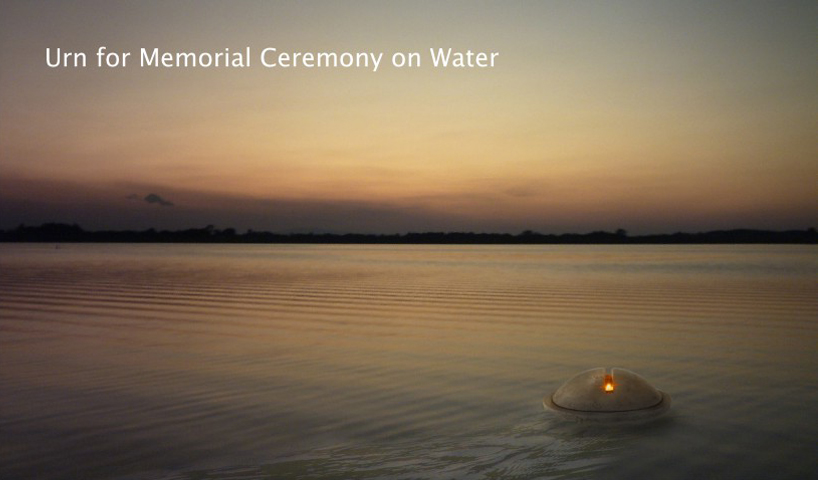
(609, 385)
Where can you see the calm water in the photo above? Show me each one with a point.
(298, 361)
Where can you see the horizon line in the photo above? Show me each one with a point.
(64, 232)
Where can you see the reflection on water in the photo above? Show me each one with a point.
(271, 361)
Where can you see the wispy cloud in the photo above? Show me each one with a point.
(154, 198)
(151, 198)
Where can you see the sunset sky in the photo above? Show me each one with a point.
(646, 115)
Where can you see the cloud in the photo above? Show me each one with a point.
(154, 198)
(151, 198)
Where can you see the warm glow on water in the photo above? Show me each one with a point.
(287, 361)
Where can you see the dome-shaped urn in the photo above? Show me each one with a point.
(598, 394)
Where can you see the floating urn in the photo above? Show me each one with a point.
(599, 395)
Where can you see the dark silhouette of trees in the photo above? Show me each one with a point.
(61, 232)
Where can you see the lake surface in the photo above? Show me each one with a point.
(376, 361)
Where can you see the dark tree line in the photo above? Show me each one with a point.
(60, 232)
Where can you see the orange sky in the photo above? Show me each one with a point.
(653, 117)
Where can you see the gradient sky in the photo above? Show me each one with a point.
(645, 115)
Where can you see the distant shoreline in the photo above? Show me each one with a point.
(65, 233)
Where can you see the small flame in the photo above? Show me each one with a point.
(609, 385)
